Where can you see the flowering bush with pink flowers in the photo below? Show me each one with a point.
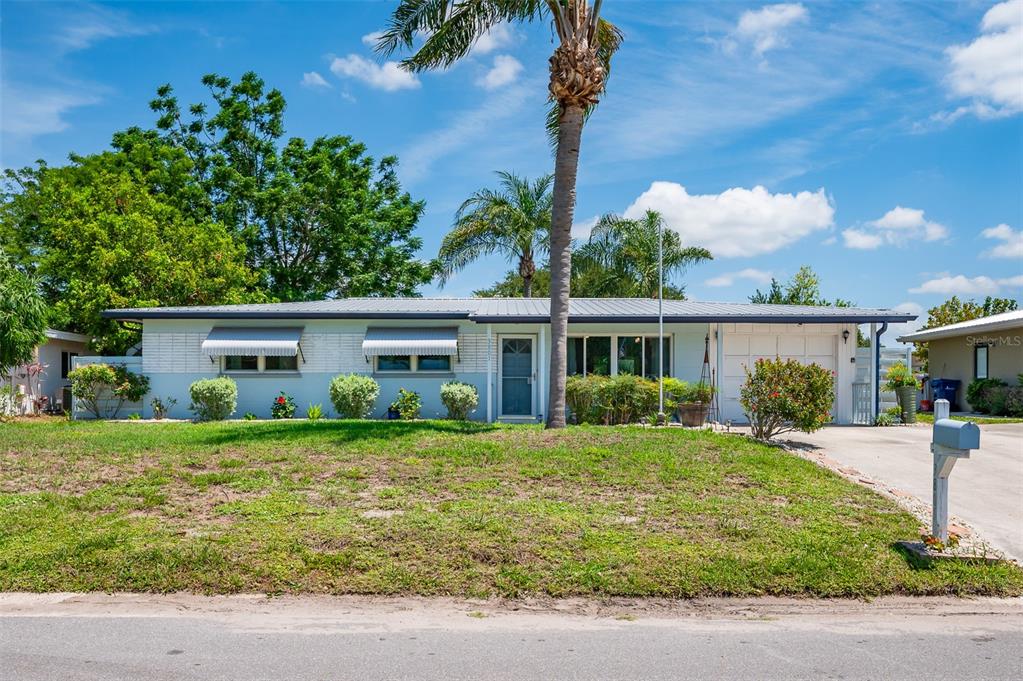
(784, 395)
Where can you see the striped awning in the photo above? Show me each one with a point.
(272, 342)
(410, 341)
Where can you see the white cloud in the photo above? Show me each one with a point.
(967, 286)
(467, 128)
(897, 227)
(581, 230)
(896, 329)
(90, 24)
(989, 70)
(729, 278)
(764, 28)
(855, 238)
(498, 37)
(1012, 242)
(371, 39)
(314, 80)
(388, 76)
(506, 70)
(738, 222)
(28, 111)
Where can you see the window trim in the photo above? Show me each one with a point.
(668, 338)
(976, 361)
(260, 369)
(413, 367)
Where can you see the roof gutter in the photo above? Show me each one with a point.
(877, 368)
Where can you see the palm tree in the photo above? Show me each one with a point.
(514, 221)
(620, 259)
(579, 69)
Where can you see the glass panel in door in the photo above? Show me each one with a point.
(517, 376)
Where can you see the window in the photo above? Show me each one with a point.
(413, 363)
(630, 355)
(433, 363)
(598, 355)
(241, 363)
(651, 356)
(280, 363)
(394, 363)
(636, 355)
(257, 364)
(65, 362)
(589, 355)
(980, 354)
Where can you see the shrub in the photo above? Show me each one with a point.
(10, 402)
(93, 383)
(581, 396)
(899, 376)
(784, 395)
(249, 416)
(885, 419)
(407, 404)
(980, 393)
(283, 406)
(626, 398)
(354, 395)
(161, 406)
(1014, 401)
(213, 399)
(314, 412)
(461, 399)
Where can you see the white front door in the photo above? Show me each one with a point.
(516, 376)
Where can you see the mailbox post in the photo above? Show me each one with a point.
(950, 441)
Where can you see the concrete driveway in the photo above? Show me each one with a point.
(985, 490)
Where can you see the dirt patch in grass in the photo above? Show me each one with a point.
(434, 508)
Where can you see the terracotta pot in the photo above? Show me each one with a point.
(692, 413)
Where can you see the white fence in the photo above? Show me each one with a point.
(132, 364)
(862, 399)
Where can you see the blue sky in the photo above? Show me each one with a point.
(881, 143)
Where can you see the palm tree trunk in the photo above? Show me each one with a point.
(566, 166)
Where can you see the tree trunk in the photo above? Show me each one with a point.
(562, 212)
(527, 269)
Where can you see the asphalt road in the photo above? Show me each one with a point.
(303, 640)
(985, 490)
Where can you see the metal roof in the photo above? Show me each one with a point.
(521, 310)
(996, 322)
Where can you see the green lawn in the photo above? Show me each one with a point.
(979, 420)
(444, 508)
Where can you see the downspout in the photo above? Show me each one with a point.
(877, 368)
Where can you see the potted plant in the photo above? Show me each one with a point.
(407, 405)
(904, 384)
(692, 400)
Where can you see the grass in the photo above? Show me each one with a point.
(444, 508)
(979, 420)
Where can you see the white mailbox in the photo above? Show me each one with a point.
(950, 441)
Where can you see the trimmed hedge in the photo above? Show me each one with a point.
(354, 395)
(461, 399)
(213, 399)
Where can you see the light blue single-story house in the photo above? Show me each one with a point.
(500, 345)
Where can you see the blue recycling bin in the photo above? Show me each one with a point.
(946, 389)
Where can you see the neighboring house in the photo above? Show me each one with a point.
(56, 354)
(500, 345)
(988, 347)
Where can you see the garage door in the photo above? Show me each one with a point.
(743, 350)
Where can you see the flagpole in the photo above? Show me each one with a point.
(661, 420)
